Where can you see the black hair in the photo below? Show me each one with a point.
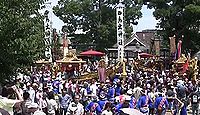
(26, 95)
(125, 104)
(123, 91)
(51, 95)
(107, 105)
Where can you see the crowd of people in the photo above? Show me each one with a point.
(147, 92)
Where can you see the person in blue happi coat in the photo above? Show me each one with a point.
(143, 103)
(161, 104)
(118, 88)
(132, 103)
(93, 107)
(102, 102)
(111, 92)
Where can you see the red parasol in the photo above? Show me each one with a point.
(145, 55)
(92, 53)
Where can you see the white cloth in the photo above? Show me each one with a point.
(83, 92)
(7, 104)
(31, 91)
(94, 88)
(38, 112)
(79, 108)
(106, 112)
(52, 106)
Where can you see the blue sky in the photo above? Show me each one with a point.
(146, 22)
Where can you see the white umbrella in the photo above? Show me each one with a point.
(131, 111)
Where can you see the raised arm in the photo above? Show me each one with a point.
(19, 96)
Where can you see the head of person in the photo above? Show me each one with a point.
(76, 98)
(126, 104)
(94, 98)
(26, 95)
(102, 96)
(8, 92)
(51, 95)
(130, 92)
(108, 106)
(64, 92)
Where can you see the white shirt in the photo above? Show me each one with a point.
(51, 106)
(83, 92)
(31, 91)
(79, 109)
(38, 112)
(94, 88)
(7, 104)
(106, 112)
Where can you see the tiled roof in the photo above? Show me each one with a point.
(144, 38)
(127, 41)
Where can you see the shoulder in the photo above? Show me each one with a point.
(80, 105)
(52, 101)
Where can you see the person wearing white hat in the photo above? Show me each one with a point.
(132, 103)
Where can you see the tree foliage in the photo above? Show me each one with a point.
(97, 18)
(21, 34)
(180, 18)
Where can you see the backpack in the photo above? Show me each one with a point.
(181, 91)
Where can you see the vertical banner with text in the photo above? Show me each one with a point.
(47, 38)
(120, 30)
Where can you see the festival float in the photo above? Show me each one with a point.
(186, 66)
(43, 64)
(69, 63)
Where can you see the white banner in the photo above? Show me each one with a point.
(120, 31)
(47, 38)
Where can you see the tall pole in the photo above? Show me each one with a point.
(65, 44)
(120, 30)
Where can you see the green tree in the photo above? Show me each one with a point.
(180, 18)
(97, 18)
(21, 35)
